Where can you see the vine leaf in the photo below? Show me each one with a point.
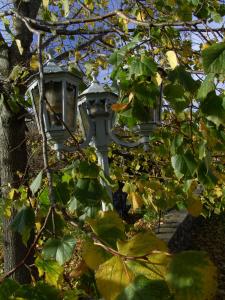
(141, 244)
(172, 59)
(34, 63)
(36, 184)
(194, 205)
(40, 291)
(136, 200)
(24, 222)
(60, 250)
(213, 58)
(154, 268)
(86, 169)
(192, 276)
(142, 288)
(19, 46)
(184, 164)
(206, 87)
(213, 108)
(8, 288)
(45, 3)
(112, 277)
(108, 226)
(51, 269)
(66, 7)
(93, 255)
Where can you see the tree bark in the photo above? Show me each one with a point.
(13, 154)
(13, 160)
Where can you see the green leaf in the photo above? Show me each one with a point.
(205, 175)
(184, 164)
(73, 204)
(62, 194)
(41, 291)
(147, 92)
(178, 165)
(202, 150)
(213, 108)
(142, 67)
(51, 269)
(174, 93)
(112, 277)
(192, 276)
(89, 191)
(190, 162)
(141, 244)
(60, 250)
(118, 57)
(206, 87)
(36, 184)
(44, 197)
(108, 226)
(24, 222)
(180, 76)
(84, 169)
(58, 225)
(141, 112)
(176, 143)
(7, 288)
(142, 289)
(213, 58)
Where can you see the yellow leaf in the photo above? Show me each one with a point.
(124, 24)
(109, 41)
(120, 106)
(141, 244)
(19, 46)
(45, 3)
(12, 194)
(172, 59)
(38, 226)
(108, 226)
(140, 16)
(34, 63)
(218, 192)
(140, 185)
(154, 269)
(7, 208)
(157, 79)
(93, 255)
(112, 277)
(131, 96)
(66, 7)
(194, 206)
(77, 55)
(205, 46)
(135, 200)
(51, 269)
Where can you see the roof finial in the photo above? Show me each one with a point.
(94, 77)
(51, 54)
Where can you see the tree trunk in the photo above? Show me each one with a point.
(13, 154)
(13, 159)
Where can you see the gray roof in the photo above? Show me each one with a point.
(96, 88)
(52, 67)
